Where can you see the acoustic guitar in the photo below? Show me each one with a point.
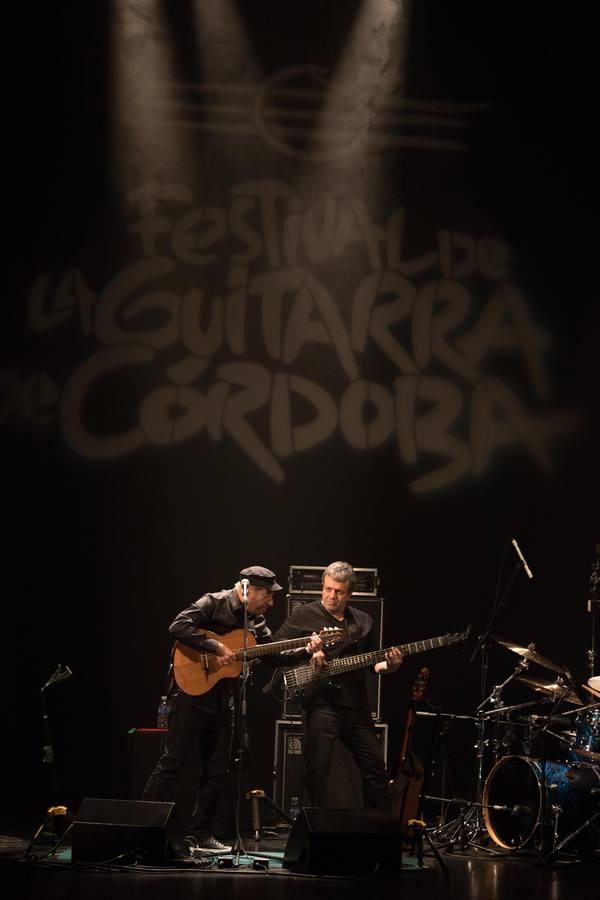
(408, 782)
(196, 672)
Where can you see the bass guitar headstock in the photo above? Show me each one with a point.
(458, 637)
(331, 635)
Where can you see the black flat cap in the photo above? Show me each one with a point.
(261, 577)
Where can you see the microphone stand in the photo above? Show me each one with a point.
(592, 607)
(482, 647)
(55, 814)
(244, 756)
(238, 848)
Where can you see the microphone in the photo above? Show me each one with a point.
(245, 585)
(522, 558)
(61, 673)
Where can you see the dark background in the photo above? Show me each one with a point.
(100, 555)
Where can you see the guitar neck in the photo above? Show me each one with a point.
(360, 660)
(273, 647)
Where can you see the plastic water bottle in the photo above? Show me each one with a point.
(294, 808)
(163, 713)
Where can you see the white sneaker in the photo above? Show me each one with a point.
(207, 844)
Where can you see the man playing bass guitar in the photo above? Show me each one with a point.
(340, 709)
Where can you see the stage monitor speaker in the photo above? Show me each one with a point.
(123, 830)
(344, 842)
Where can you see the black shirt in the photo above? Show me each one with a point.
(347, 690)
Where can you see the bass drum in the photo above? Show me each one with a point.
(515, 782)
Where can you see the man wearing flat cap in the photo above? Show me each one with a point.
(203, 725)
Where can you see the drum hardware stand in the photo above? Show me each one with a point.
(441, 728)
(548, 857)
(495, 699)
(551, 856)
(462, 836)
(544, 784)
(461, 831)
(467, 831)
(592, 607)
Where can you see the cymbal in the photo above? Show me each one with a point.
(594, 683)
(591, 690)
(532, 655)
(553, 689)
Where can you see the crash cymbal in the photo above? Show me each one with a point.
(554, 689)
(530, 653)
(594, 683)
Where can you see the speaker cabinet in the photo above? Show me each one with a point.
(374, 607)
(345, 783)
(344, 842)
(122, 830)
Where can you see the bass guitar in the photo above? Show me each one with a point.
(301, 678)
(196, 672)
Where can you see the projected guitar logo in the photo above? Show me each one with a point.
(302, 113)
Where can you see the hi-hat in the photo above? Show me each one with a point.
(529, 653)
(552, 689)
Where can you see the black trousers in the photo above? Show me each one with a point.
(322, 725)
(203, 728)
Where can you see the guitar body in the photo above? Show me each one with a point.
(197, 673)
(408, 784)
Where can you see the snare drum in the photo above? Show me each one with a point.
(587, 736)
(515, 783)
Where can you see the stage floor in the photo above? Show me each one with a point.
(481, 874)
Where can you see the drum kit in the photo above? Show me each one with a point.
(542, 792)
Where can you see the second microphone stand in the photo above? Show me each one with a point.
(58, 819)
(477, 827)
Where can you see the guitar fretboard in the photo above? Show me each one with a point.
(273, 647)
(360, 660)
(303, 676)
